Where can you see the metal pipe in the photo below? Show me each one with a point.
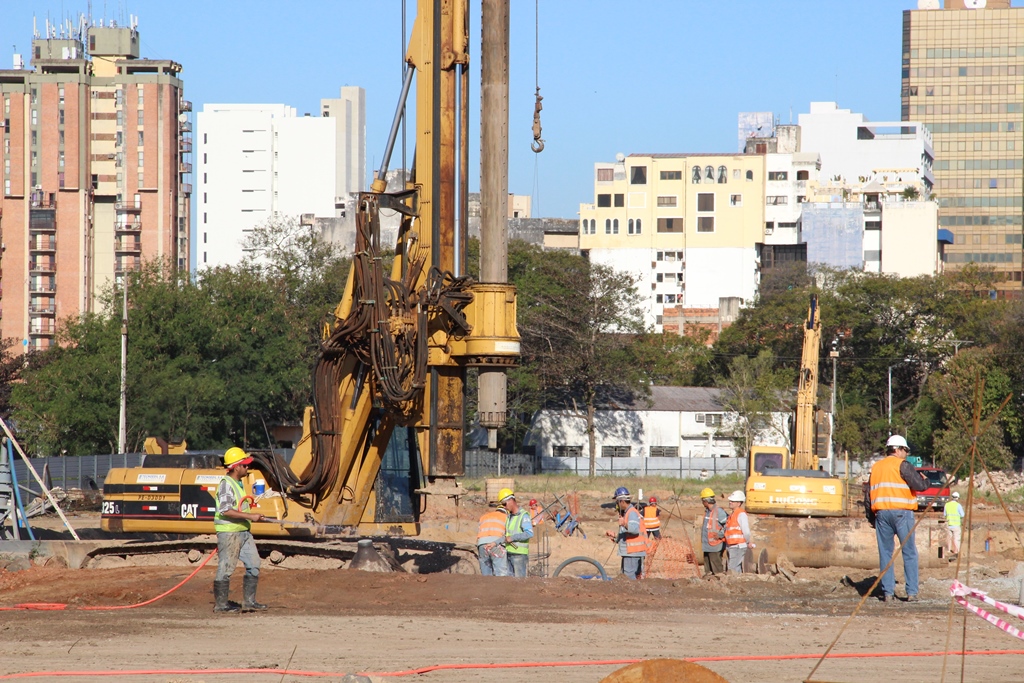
(380, 181)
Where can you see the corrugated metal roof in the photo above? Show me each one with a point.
(677, 399)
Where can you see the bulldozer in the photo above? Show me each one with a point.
(384, 434)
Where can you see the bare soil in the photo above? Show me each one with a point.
(338, 620)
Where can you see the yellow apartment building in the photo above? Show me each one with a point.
(687, 226)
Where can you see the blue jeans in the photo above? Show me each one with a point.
(233, 546)
(493, 562)
(632, 567)
(518, 564)
(889, 524)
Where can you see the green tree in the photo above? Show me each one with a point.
(757, 388)
(579, 324)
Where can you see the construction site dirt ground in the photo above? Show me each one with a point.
(345, 621)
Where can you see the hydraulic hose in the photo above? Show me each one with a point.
(57, 606)
(500, 665)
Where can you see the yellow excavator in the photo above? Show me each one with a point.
(791, 484)
(385, 432)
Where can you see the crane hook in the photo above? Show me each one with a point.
(538, 144)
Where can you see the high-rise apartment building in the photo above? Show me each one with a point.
(963, 77)
(264, 162)
(96, 164)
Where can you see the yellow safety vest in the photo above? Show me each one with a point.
(952, 511)
(221, 523)
(888, 490)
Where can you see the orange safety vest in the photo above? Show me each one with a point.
(714, 526)
(733, 530)
(492, 524)
(638, 543)
(888, 489)
(651, 520)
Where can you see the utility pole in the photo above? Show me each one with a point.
(494, 50)
(121, 430)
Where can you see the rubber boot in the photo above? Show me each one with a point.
(221, 590)
(249, 603)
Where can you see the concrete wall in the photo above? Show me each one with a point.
(908, 238)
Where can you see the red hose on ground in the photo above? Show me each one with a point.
(504, 665)
(55, 606)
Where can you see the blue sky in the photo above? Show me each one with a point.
(616, 75)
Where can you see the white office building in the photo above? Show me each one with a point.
(258, 162)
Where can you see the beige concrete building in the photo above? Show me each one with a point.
(963, 76)
(686, 226)
(96, 175)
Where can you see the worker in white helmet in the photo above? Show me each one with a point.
(953, 513)
(737, 532)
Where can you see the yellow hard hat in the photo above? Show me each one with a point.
(236, 456)
(505, 494)
(707, 493)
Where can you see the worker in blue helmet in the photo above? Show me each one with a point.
(630, 536)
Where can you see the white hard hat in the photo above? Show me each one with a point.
(737, 497)
(956, 494)
(897, 441)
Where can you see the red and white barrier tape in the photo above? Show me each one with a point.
(961, 593)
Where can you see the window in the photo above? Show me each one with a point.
(723, 175)
(614, 451)
(604, 175)
(695, 177)
(639, 227)
(778, 175)
(670, 225)
(60, 137)
(141, 158)
(141, 138)
(735, 200)
(659, 298)
(204, 218)
(204, 138)
(567, 451)
(801, 199)
(620, 200)
(713, 419)
(670, 255)
(750, 175)
(872, 255)
(664, 451)
(60, 117)
(709, 174)
(778, 200)
(638, 175)
(671, 299)
(705, 224)
(615, 226)
(630, 228)
(603, 200)
(803, 175)
(607, 226)
(705, 201)
(671, 175)
(667, 200)
(769, 227)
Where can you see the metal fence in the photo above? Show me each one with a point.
(85, 472)
(480, 463)
(682, 468)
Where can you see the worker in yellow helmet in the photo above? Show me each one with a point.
(232, 522)
(518, 532)
(712, 533)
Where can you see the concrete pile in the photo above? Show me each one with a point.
(1005, 481)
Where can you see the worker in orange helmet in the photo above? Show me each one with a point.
(652, 518)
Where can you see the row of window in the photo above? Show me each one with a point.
(979, 165)
(978, 146)
(563, 451)
(962, 90)
(981, 220)
(670, 298)
(961, 238)
(978, 183)
(969, 53)
(964, 108)
(977, 127)
(983, 257)
(950, 202)
(961, 71)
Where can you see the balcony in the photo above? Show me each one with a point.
(41, 266)
(43, 243)
(133, 226)
(872, 206)
(124, 265)
(184, 126)
(37, 286)
(41, 330)
(42, 309)
(184, 168)
(185, 105)
(128, 246)
(129, 207)
(186, 188)
(43, 200)
(185, 147)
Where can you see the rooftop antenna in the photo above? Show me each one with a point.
(35, 29)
